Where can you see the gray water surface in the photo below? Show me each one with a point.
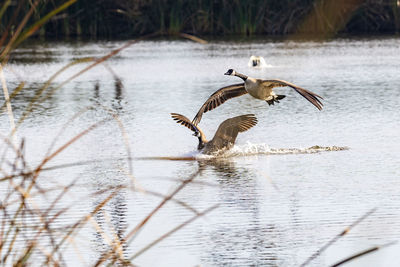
(274, 208)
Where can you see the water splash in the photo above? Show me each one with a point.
(250, 149)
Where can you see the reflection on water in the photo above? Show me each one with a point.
(281, 197)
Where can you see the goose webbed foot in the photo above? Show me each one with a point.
(270, 102)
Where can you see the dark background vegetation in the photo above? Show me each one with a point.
(129, 18)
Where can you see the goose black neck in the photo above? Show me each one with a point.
(242, 76)
(201, 143)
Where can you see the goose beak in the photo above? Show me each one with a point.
(227, 73)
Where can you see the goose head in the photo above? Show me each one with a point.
(200, 146)
(231, 72)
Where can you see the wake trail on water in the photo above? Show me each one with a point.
(250, 149)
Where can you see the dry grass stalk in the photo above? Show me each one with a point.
(337, 237)
(171, 232)
(363, 253)
(18, 206)
(131, 235)
(9, 46)
(7, 101)
(10, 226)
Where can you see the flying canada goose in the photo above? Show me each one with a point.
(256, 62)
(257, 88)
(226, 134)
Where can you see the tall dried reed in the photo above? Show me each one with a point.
(31, 206)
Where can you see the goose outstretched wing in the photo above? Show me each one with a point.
(310, 96)
(185, 122)
(229, 129)
(218, 98)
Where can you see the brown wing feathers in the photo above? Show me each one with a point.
(184, 121)
(247, 121)
(218, 98)
(229, 129)
(239, 124)
(310, 96)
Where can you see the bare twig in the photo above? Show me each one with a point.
(130, 236)
(137, 254)
(333, 240)
(363, 253)
(7, 100)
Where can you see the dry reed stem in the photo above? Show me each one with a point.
(177, 201)
(131, 235)
(124, 134)
(115, 244)
(95, 63)
(14, 93)
(99, 230)
(106, 57)
(363, 253)
(39, 93)
(10, 23)
(4, 7)
(45, 224)
(9, 145)
(64, 127)
(83, 221)
(25, 193)
(198, 182)
(19, 36)
(10, 44)
(193, 38)
(172, 231)
(328, 17)
(333, 240)
(78, 252)
(183, 184)
(38, 24)
(8, 103)
(68, 143)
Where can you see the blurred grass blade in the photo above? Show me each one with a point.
(132, 234)
(7, 101)
(9, 46)
(193, 38)
(172, 231)
(4, 8)
(163, 202)
(13, 94)
(85, 219)
(363, 253)
(67, 144)
(39, 93)
(6, 31)
(95, 63)
(32, 29)
(333, 240)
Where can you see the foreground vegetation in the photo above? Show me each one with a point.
(127, 18)
(33, 199)
(32, 227)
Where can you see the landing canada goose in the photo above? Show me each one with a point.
(257, 88)
(226, 134)
(256, 62)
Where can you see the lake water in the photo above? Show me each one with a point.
(275, 208)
